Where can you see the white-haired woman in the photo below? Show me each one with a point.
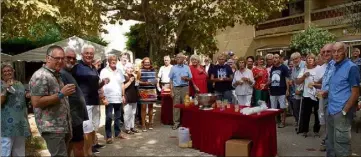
(14, 121)
(130, 99)
(308, 76)
(199, 76)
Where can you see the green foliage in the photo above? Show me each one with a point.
(137, 41)
(172, 25)
(40, 34)
(311, 40)
(80, 17)
(351, 16)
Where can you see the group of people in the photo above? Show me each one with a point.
(326, 85)
(66, 94)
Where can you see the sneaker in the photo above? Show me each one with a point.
(99, 146)
(95, 151)
(150, 127)
(175, 127)
(281, 125)
(316, 134)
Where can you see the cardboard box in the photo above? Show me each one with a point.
(238, 147)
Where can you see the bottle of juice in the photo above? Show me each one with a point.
(186, 100)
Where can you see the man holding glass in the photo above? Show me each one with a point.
(222, 75)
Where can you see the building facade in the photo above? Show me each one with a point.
(274, 35)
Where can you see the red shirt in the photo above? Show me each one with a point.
(199, 78)
(263, 79)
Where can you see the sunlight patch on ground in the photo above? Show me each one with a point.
(152, 142)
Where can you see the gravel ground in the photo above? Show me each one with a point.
(162, 141)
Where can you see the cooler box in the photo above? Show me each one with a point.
(238, 147)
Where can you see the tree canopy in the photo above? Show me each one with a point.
(173, 24)
(169, 25)
(311, 40)
(79, 17)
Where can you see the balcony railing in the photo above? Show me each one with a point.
(281, 22)
(335, 11)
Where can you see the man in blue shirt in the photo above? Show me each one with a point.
(298, 66)
(342, 97)
(326, 53)
(179, 76)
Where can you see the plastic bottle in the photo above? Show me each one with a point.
(196, 100)
(186, 100)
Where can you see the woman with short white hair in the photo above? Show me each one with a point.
(199, 76)
(14, 121)
(130, 99)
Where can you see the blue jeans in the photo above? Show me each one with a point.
(225, 95)
(13, 146)
(117, 119)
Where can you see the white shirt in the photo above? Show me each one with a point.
(163, 73)
(245, 88)
(315, 75)
(207, 67)
(113, 90)
(122, 67)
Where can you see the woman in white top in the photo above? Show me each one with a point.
(243, 82)
(308, 76)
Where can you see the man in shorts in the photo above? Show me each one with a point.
(279, 87)
(87, 77)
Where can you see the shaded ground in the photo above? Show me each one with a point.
(162, 141)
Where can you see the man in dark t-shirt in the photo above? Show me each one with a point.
(222, 75)
(279, 87)
(77, 104)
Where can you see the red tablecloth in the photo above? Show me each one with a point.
(211, 129)
(167, 109)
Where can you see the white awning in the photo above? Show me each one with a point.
(39, 54)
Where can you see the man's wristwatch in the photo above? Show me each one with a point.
(344, 112)
(61, 95)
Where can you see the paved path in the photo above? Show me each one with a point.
(162, 141)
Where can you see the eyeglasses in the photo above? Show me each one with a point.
(70, 58)
(57, 58)
(88, 53)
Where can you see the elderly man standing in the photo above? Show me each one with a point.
(298, 66)
(89, 82)
(279, 88)
(343, 94)
(77, 105)
(326, 53)
(50, 102)
(179, 75)
(114, 95)
(222, 75)
(163, 73)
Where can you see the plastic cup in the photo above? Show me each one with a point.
(218, 103)
(236, 108)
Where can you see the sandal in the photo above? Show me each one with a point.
(109, 141)
(134, 130)
(129, 132)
